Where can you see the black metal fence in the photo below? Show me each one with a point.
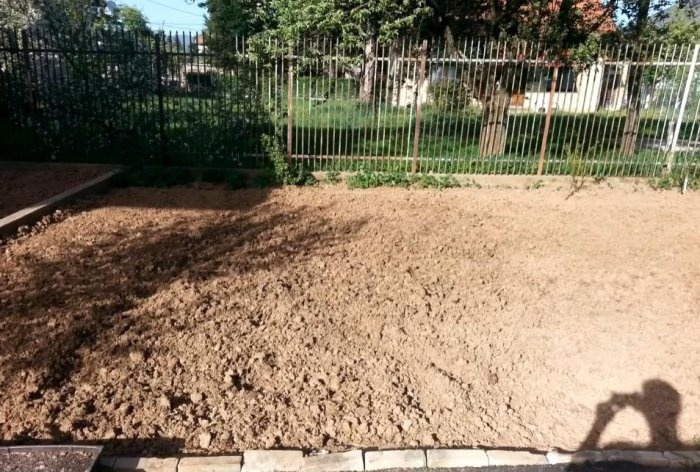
(129, 98)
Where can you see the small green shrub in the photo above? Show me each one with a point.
(452, 96)
(471, 183)
(675, 179)
(536, 186)
(365, 178)
(431, 181)
(282, 171)
(333, 176)
(577, 170)
(664, 182)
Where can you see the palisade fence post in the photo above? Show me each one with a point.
(290, 96)
(548, 120)
(161, 108)
(419, 87)
(27, 72)
(681, 111)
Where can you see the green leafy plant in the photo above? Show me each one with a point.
(471, 183)
(365, 178)
(576, 166)
(441, 182)
(536, 185)
(333, 176)
(676, 179)
(282, 172)
(452, 95)
(664, 182)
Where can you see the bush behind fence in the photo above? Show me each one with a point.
(475, 107)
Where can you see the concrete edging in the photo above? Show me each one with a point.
(30, 215)
(372, 460)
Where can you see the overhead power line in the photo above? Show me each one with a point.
(175, 9)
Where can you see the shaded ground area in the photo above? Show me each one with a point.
(208, 320)
(28, 184)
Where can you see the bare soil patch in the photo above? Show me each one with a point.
(63, 461)
(209, 320)
(25, 185)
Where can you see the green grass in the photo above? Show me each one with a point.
(352, 136)
(222, 130)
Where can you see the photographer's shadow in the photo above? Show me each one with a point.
(660, 404)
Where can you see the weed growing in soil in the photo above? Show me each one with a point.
(535, 186)
(471, 183)
(430, 181)
(675, 179)
(365, 178)
(283, 172)
(333, 177)
(577, 170)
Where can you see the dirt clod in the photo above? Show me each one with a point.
(196, 397)
(205, 440)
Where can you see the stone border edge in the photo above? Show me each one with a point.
(30, 215)
(294, 460)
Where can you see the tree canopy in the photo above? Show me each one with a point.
(132, 19)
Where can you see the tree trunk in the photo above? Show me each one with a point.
(395, 77)
(631, 128)
(492, 141)
(368, 68)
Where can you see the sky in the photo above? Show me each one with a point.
(170, 15)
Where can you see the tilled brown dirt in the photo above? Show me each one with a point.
(207, 320)
(25, 184)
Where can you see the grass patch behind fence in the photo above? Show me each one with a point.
(217, 131)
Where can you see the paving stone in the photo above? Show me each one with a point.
(269, 461)
(350, 461)
(682, 458)
(498, 457)
(145, 464)
(448, 458)
(646, 458)
(397, 459)
(580, 457)
(210, 464)
(4, 450)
